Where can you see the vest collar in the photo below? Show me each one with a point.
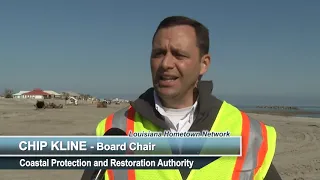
(207, 103)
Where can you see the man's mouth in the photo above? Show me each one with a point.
(168, 78)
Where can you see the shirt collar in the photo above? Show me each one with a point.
(159, 106)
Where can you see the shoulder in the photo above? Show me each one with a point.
(255, 127)
(229, 108)
(232, 110)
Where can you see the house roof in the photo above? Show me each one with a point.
(36, 91)
(52, 92)
(20, 93)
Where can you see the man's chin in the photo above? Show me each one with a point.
(166, 92)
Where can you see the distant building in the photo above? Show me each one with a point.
(36, 94)
(115, 100)
(19, 95)
(53, 94)
(72, 94)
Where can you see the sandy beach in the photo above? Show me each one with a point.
(298, 146)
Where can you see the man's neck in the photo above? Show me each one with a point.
(180, 102)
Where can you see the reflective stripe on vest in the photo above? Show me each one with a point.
(252, 153)
(254, 146)
(124, 120)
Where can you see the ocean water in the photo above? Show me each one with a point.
(301, 108)
(304, 103)
(309, 115)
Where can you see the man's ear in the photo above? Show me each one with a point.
(205, 63)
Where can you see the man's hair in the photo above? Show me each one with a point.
(202, 32)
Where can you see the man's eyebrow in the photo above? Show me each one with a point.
(157, 49)
(179, 50)
(173, 49)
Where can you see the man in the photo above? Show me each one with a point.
(179, 101)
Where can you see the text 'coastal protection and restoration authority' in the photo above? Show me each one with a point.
(113, 163)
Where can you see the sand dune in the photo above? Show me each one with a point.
(297, 156)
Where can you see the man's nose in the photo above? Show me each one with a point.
(167, 61)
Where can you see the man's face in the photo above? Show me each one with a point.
(175, 61)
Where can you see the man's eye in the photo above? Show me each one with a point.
(180, 56)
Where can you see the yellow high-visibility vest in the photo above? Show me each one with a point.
(258, 147)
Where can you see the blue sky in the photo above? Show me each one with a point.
(260, 48)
